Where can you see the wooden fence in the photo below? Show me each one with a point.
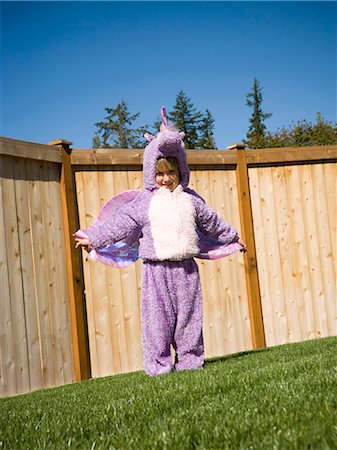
(38, 332)
(283, 290)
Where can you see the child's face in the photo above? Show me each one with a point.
(168, 179)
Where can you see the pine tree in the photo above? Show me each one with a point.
(116, 131)
(323, 132)
(257, 129)
(303, 134)
(96, 141)
(187, 119)
(156, 126)
(206, 128)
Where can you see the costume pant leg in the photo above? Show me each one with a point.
(188, 338)
(158, 318)
(171, 314)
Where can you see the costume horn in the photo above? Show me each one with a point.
(164, 123)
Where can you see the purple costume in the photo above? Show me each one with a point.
(175, 227)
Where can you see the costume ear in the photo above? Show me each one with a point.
(149, 137)
(181, 134)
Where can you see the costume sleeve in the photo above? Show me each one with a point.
(115, 228)
(212, 225)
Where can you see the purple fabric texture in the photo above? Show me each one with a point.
(171, 314)
(119, 226)
(167, 143)
(134, 217)
(122, 253)
(171, 292)
(211, 225)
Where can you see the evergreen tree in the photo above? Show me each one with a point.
(116, 131)
(187, 119)
(206, 128)
(323, 132)
(156, 126)
(303, 134)
(257, 129)
(96, 141)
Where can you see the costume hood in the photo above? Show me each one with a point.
(168, 142)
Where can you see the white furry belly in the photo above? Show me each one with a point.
(172, 218)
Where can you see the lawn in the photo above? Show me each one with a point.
(283, 397)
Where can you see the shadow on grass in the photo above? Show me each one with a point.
(218, 359)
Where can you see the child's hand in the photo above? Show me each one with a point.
(84, 242)
(243, 244)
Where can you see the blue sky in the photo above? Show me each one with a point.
(63, 62)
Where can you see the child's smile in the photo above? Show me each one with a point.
(169, 180)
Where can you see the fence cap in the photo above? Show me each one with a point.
(63, 143)
(236, 146)
(60, 142)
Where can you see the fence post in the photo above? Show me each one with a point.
(250, 261)
(76, 297)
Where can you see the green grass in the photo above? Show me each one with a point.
(278, 398)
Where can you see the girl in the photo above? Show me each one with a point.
(173, 221)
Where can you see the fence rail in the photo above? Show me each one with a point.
(63, 319)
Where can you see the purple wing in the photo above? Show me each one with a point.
(123, 253)
(212, 249)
